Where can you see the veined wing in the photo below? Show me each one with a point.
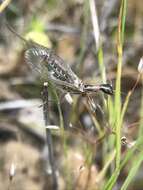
(51, 67)
(48, 65)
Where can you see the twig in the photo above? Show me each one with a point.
(4, 4)
(48, 135)
(95, 23)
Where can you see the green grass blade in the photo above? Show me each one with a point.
(118, 113)
(135, 166)
(109, 185)
(125, 105)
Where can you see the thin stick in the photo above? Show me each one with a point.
(4, 4)
(95, 24)
(48, 135)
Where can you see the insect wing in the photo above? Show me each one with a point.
(48, 65)
(34, 59)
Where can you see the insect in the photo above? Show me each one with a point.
(51, 67)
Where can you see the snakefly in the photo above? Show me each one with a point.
(52, 68)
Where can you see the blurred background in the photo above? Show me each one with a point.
(65, 26)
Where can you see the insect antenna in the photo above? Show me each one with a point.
(11, 29)
(29, 43)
